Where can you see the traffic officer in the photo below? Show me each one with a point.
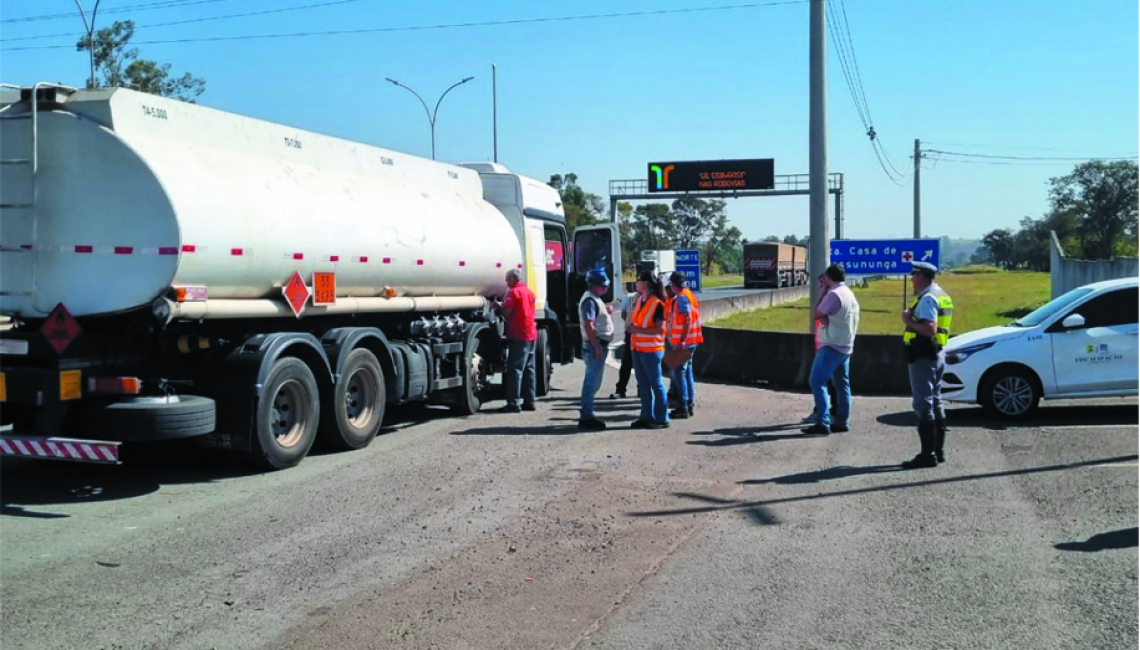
(927, 325)
(683, 320)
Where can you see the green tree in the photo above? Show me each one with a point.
(999, 245)
(1102, 197)
(121, 66)
(693, 217)
(773, 238)
(724, 246)
(582, 208)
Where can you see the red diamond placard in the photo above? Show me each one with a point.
(60, 328)
(296, 293)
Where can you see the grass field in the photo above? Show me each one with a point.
(983, 297)
(714, 281)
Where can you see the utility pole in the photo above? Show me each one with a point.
(917, 190)
(495, 108)
(820, 246)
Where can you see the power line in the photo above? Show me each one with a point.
(410, 28)
(997, 147)
(1050, 158)
(845, 52)
(204, 19)
(164, 4)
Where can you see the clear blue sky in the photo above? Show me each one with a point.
(603, 97)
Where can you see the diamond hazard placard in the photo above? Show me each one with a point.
(60, 328)
(296, 293)
(324, 288)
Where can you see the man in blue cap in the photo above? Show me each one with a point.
(927, 325)
(597, 332)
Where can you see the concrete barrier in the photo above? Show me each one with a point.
(714, 308)
(784, 360)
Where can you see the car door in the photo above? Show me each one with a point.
(1102, 352)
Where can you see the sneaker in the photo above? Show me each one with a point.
(618, 394)
(640, 424)
(817, 430)
(679, 414)
(529, 407)
(593, 424)
(509, 408)
(810, 417)
(839, 428)
(658, 425)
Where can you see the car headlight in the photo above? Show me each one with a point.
(961, 354)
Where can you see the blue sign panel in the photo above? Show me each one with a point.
(883, 256)
(689, 263)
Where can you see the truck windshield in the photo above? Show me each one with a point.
(1044, 312)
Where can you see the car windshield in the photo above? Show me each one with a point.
(1044, 312)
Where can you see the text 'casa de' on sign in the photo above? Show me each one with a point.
(883, 256)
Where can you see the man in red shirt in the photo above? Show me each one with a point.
(518, 315)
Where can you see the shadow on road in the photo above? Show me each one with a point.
(751, 435)
(26, 483)
(722, 505)
(819, 475)
(523, 430)
(1047, 416)
(1117, 539)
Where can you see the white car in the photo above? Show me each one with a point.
(1082, 344)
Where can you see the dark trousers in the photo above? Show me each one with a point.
(520, 372)
(626, 367)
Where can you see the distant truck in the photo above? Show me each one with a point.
(172, 271)
(772, 264)
(658, 262)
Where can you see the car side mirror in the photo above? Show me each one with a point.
(1073, 320)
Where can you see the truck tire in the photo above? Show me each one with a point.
(287, 416)
(152, 418)
(543, 368)
(475, 380)
(353, 417)
(1009, 393)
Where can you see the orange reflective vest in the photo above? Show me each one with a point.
(677, 321)
(643, 317)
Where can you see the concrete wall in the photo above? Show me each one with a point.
(1066, 274)
(714, 308)
(784, 360)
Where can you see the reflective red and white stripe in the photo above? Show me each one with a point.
(87, 451)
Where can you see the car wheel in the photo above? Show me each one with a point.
(1010, 393)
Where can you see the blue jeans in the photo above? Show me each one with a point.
(520, 371)
(831, 363)
(650, 387)
(682, 379)
(595, 370)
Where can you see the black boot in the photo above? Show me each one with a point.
(925, 458)
(939, 437)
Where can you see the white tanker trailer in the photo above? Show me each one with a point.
(171, 271)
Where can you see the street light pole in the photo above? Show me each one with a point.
(90, 28)
(431, 115)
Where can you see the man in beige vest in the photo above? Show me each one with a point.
(838, 315)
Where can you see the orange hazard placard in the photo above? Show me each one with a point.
(324, 288)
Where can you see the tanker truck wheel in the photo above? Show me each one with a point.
(543, 367)
(354, 417)
(287, 416)
(476, 379)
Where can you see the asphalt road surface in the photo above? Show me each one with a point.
(730, 530)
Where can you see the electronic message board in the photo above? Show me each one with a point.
(712, 175)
